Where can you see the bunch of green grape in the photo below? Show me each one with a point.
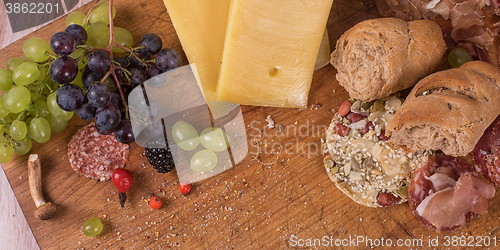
(28, 105)
(76, 72)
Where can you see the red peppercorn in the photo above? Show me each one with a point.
(122, 179)
(155, 202)
(185, 188)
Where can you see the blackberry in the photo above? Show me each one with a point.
(160, 156)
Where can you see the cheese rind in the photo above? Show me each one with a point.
(201, 28)
(270, 51)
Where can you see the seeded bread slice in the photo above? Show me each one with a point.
(378, 57)
(448, 110)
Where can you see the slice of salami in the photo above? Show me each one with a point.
(487, 153)
(440, 174)
(94, 155)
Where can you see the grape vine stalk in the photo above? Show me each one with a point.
(87, 76)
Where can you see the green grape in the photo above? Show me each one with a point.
(92, 227)
(124, 38)
(3, 110)
(26, 73)
(6, 81)
(12, 63)
(5, 153)
(55, 110)
(77, 53)
(25, 59)
(41, 107)
(17, 99)
(203, 161)
(40, 129)
(56, 125)
(82, 63)
(110, 82)
(78, 80)
(458, 56)
(214, 139)
(101, 14)
(185, 135)
(43, 75)
(98, 34)
(3, 134)
(35, 49)
(75, 17)
(18, 130)
(23, 146)
(4, 94)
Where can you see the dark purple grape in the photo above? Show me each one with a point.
(98, 95)
(103, 131)
(123, 132)
(133, 60)
(98, 61)
(86, 112)
(137, 76)
(63, 70)
(116, 100)
(121, 61)
(69, 97)
(151, 42)
(89, 77)
(78, 32)
(62, 43)
(107, 118)
(168, 59)
(153, 71)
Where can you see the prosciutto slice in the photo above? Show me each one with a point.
(448, 208)
(445, 193)
(467, 17)
(467, 23)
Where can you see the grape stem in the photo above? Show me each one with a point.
(109, 49)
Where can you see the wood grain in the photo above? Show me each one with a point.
(278, 192)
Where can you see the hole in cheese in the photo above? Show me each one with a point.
(273, 72)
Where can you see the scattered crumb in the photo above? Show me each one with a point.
(270, 122)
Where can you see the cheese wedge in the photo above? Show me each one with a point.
(201, 28)
(270, 51)
(324, 53)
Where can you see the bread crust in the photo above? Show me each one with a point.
(378, 57)
(448, 110)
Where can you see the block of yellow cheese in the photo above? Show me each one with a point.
(270, 51)
(201, 28)
(324, 53)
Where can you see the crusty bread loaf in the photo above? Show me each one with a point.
(378, 57)
(448, 110)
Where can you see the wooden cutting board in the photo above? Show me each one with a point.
(279, 194)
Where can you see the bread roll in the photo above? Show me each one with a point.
(378, 57)
(448, 110)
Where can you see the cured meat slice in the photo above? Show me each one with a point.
(94, 155)
(487, 153)
(445, 193)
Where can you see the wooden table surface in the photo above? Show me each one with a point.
(269, 201)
